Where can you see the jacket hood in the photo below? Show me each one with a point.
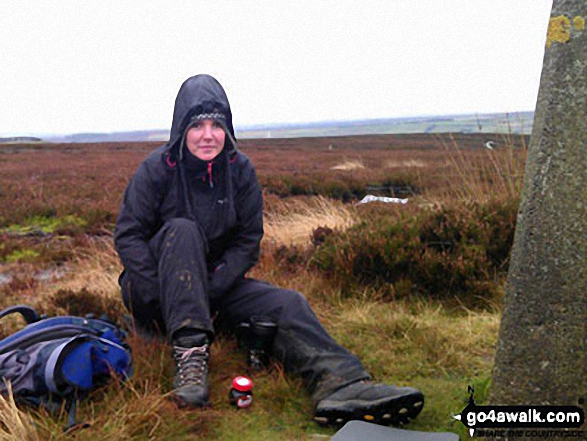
(198, 94)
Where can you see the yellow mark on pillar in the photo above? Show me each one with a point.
(559, 29)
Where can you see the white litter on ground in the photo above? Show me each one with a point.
(371, 198)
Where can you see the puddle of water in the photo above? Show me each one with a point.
(42, 276)
(50, 274)
(5, 279)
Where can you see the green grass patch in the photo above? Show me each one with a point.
(54, 249)
(22, 256)
(43, 225)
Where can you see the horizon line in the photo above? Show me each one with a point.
(273, 125)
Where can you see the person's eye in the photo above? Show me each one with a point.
(217, 124)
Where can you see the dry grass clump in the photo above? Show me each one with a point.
(97, 267)
(410, 163)
(485, 175)
(91, 286)
(349, 164)
(16, 425)
(292, 222)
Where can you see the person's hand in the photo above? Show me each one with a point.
(218, 282)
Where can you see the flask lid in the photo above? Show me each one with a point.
(242, 384)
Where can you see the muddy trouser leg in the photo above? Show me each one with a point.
(301, 343)
(180, 298)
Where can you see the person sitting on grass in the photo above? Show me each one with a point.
(189, 228)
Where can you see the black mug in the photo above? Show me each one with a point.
(256, 337)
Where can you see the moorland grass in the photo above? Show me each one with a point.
(433, 339)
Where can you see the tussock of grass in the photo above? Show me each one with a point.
(127, 413)
(485, 175)
(16, 424)
(97, 268)
(92, 287)
(413, 163)
(292, 223)
(349, 164)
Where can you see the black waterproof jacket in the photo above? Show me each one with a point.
(222, 196)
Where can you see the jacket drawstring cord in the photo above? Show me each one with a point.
(185, 198)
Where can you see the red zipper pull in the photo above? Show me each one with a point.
(210, 174)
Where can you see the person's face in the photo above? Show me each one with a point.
(205, 139)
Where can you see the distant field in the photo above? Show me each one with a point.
(514, 123)
(518, 123)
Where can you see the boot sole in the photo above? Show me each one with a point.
(385, 411)
(183, 404)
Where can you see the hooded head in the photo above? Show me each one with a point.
(199, 97)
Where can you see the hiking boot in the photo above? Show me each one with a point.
(374, 402)
(191, 370)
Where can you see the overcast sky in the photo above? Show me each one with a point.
(101, 66)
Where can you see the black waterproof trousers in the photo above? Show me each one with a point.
(301, 343)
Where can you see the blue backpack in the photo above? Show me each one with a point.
(52, 360)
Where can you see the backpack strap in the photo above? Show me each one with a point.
(28, 313)
(72, 423)
(52, 363)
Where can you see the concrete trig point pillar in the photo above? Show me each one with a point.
(541, 353)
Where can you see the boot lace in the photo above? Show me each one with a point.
(191, 363)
